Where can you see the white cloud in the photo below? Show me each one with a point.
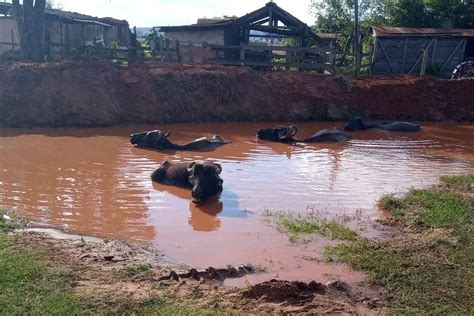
(178, 12)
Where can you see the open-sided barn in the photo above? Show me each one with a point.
(400, 50)
(271, 20)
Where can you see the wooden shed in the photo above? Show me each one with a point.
(66, 31)
(400, 50)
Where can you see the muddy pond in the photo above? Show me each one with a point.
(93, 182)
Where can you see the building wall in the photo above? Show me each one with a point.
(438, 53)
(8, 24)
(58, 32)
(215, 37)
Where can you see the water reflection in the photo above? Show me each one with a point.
(93, 181)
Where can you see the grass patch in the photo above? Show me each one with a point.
(428, 270)
(143, 270)
(31, 283)
(461, 183)
(297, 225)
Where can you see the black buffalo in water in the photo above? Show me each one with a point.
(286, 134)
(278, 134)
(395, 126)
(159, 140)
(200, 176)
(328, 135)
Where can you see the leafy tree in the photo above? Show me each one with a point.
(338, 15)
(451, 13)
(410, 13)
(51, 4)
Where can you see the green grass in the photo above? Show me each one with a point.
(428, 270)
(461, 183)
(143, 270)
(32, 284)
(297, 225)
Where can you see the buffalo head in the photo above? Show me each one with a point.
(355, 125)
(155, 139)
(205, 180)
(280, 133)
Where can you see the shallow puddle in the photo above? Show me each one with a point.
(93, 182)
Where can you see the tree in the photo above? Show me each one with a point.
(30, 20)
(338, 15)
(52, 5)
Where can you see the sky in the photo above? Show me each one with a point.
(146, 13)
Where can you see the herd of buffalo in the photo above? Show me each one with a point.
(203, 177)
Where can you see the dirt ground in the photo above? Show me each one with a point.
(99, 94)
(115, 271)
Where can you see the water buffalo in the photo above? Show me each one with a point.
(278, 134)
(328, 135)
(200, 176)
(395, 126)
(205, 143)
(159, 140)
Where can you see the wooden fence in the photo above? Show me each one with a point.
(271, 57)
(166, 51)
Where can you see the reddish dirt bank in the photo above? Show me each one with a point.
(97, 94)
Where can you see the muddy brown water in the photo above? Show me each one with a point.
(93, 182)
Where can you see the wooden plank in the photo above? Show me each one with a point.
(386, 57)
(404, 58)
(452, 53)
(232, 62)
(420, 56)
(274, 48)
(435, 47)
(424, 63)
(168, 52)
(162, 51)
(178, 53)
(13, 40)
(191, 56)
(242, 56)
(205, 47)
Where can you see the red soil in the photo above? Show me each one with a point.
(97, 94)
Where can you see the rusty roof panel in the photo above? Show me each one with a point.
(379, 31)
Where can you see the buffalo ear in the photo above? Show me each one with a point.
(191, 166)
(218, 168)
(282, 133)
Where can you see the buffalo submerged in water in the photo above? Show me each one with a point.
(392, 126)
(285, 134)
(282, 134)
(202, 177)
(158, 140)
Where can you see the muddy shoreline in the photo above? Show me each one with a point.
(92, 94)
(112, 268)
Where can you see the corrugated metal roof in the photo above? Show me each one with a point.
(379, 31)
(214, 20)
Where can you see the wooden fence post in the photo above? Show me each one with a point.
(242, 55)
(178, 53)
(204, 53)
(168, 52)
(424, 63)
(191, 57)
(13, 41)
(162, 51)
